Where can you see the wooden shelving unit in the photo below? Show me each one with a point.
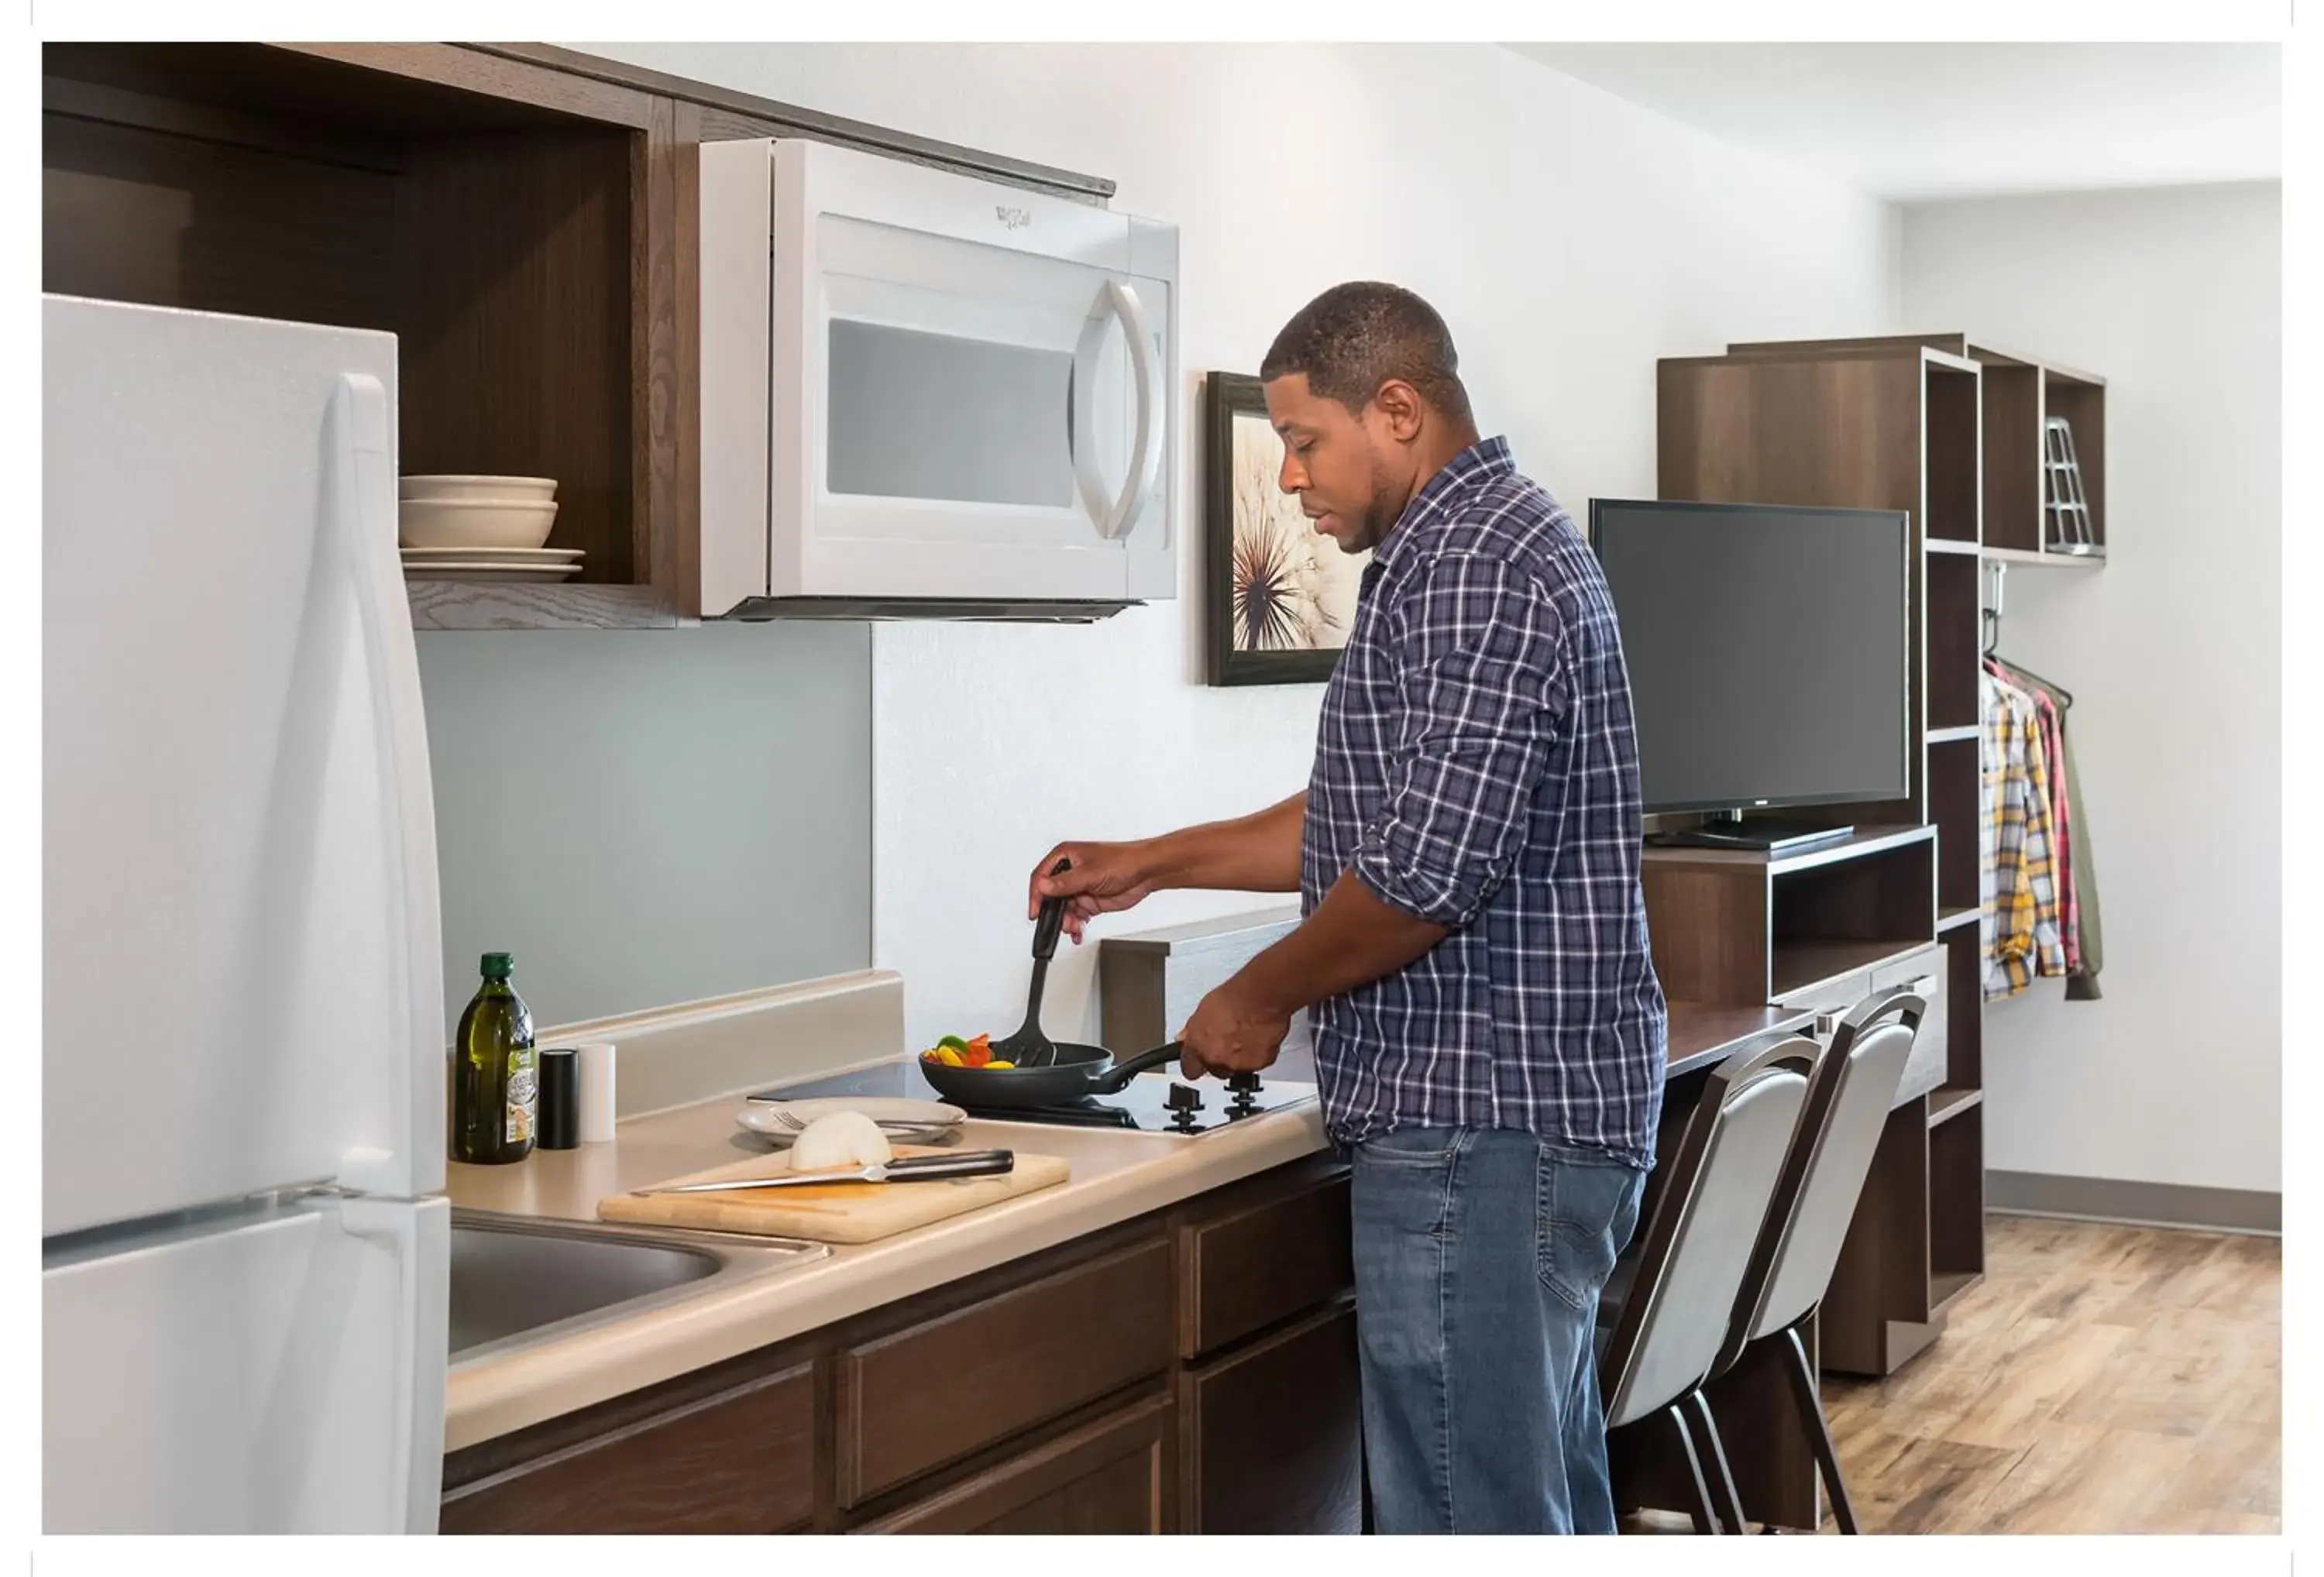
(1950, 430)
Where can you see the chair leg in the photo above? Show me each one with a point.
(1819, 1433)
(1706, 1516)
(1724, 1481)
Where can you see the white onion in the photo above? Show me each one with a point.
(843, 1138)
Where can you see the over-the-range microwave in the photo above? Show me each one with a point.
(925, 395)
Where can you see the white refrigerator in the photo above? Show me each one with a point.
(246, 1248)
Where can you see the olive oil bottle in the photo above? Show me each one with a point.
(495, 1081)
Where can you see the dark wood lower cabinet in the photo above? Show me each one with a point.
(1194, 1369)
(1273, 1434)
(1109, 1476)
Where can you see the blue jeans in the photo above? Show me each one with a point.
(1480, 1255)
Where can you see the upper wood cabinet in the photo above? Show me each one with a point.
(517, 229)
(523, 218)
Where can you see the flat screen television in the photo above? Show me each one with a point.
(1767, 647)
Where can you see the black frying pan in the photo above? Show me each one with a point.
(1079, 1071)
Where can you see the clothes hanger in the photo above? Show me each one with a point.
(2059, 693)
(1992, 644)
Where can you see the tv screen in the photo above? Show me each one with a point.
(1766, 648)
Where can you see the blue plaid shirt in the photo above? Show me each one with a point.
(1476, 766)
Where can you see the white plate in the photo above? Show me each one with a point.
(543, 488)
(492, 554)
(491, 572)
(759, 1116)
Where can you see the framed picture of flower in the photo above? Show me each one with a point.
(1281, 595)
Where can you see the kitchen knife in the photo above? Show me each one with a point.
(911, 1169)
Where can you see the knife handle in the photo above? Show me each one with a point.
(967, 1164)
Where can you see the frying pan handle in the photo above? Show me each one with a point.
(1052, 919)
(1116, 1082)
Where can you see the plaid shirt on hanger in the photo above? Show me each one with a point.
(2020, 924)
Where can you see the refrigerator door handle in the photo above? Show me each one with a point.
(421, 1240)
(361, 456)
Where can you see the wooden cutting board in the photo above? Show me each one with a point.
(833, 1212)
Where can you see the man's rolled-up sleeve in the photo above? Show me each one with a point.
(1484, 690)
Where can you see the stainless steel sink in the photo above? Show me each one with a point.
(520, 1282)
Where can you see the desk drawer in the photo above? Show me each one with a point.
(1000, 1366)
(1923, 974)
(1833, 996)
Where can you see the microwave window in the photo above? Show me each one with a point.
(938, 416)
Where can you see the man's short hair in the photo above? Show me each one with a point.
(1356, 337)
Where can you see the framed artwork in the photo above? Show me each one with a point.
(1281, 595)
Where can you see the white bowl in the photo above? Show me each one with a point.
(468, 523)
(484, 489)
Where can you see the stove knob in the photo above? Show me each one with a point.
(1243, 1083)
(1183, 1098)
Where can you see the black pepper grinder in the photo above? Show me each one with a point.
(560, 1099)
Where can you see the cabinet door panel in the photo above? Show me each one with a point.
(1273, 1434)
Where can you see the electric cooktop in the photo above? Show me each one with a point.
(1152, 1103)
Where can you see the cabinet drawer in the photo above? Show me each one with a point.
(1109, 1476)
(1273, 1435)
(1924, 975)
(741, 1462)
(1833, 996)
(1262, 1259)
(941, 1390)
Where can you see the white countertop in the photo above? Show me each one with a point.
(1116, 1177)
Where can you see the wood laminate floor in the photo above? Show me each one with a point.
(2102, 1380)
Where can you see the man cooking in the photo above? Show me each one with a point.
(1489, 1027)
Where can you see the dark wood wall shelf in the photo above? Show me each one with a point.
(1950, 428)
(446, 605)
(2017, 558)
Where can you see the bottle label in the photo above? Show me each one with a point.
(524, 1087)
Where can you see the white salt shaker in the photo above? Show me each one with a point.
(596, 1092)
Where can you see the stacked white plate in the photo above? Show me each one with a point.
(481, 528)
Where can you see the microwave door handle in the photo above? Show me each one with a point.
(1146, 455)
(1081, 415)
(1116, 515)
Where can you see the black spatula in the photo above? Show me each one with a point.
(1029, 1048)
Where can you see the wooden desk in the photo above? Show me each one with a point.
(1703, 1034)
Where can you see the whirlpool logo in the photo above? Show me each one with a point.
(1015, 218)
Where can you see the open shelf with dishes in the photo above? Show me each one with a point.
(509, 224)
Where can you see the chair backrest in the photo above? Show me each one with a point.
(1848, 1099)
(1698, 1244)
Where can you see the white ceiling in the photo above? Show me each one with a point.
(1916, 122)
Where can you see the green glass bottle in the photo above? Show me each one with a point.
(495, 1081)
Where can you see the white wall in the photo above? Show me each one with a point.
(1569, 239)
(2175, 657)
